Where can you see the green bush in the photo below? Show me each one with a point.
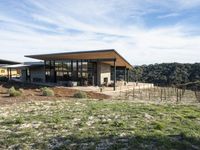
(19, 120)
(158, 125)
(80, 94)
(47, 92)
(13, 92)
(118, 124)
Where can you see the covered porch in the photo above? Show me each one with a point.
(9, 71)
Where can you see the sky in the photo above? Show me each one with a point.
(142, 31)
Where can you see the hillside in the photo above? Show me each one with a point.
(167, 74)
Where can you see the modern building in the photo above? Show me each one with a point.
(29, 71)
(95, 68)
(5, 72)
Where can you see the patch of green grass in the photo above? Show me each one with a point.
(79, 124)
(157, 125)
(19, 120)
(118, 124)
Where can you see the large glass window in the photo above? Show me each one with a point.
(47, 70)
(79, 65)
(58, 66)
(59, 76)
(121, 73)
(70, 70)
(66, 65)
(74, 66)
(92, 73)
(52, 64)
(84, 66)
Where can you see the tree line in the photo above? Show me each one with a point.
(166, 74)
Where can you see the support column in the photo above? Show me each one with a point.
(114, 75)
(10, 73)
(8, 76)
(72, 71)
(81, 72)
(77, 70)
(26, 75)
(127, 75)
(45, 78)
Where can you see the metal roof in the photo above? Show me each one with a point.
(25, 64)
(15, 66)
(8, 62)
(106, 55)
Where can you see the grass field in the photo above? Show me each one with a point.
(92, 124)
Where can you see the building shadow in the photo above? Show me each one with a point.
(19, 85)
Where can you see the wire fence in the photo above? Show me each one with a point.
(156, 93)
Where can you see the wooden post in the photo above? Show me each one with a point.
(165, 92)
(133, 94)
(141, 96)
(177, 96)
(161, 94)
(180, 95)
(149, 96)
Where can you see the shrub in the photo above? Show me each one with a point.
(80, 94)
(118, 124)
(157, 126)
(47, 92)
(19, 120)
(13, 92)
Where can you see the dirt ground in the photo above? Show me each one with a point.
(33, 93)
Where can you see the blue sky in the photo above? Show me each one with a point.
(144, 32)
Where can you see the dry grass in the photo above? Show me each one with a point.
(107, 124)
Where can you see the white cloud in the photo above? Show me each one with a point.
(186, 4)
(101, 26)
(168, 15)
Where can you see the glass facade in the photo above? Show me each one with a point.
(84, 72)
(121, 73)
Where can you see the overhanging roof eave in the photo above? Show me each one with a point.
(8, 62)
(96, 54)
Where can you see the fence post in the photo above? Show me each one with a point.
(133, 94)
(149, 96)
(177, 99)
(180, 98)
